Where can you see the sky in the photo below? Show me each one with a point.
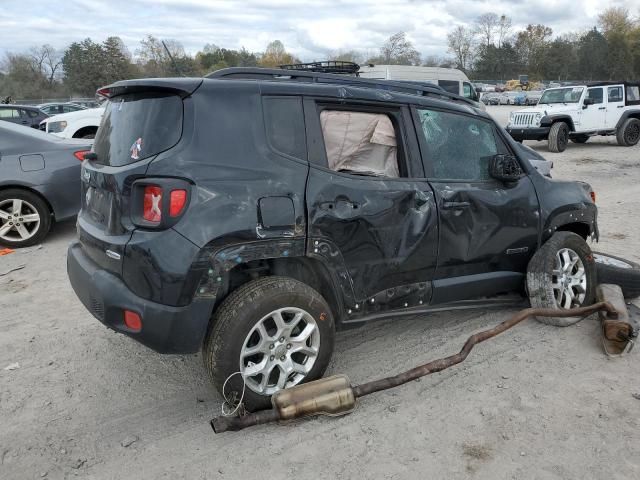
(310, 29)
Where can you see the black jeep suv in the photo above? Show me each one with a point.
(251, 213)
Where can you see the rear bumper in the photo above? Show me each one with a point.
(165, 329)
(540, 133)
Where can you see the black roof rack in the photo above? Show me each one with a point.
(329, 66)
(255, 73)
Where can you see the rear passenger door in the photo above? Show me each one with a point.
(371, 212)
(488, 229)
(615, 105)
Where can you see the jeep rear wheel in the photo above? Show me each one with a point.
(629, 134)
(562, 274)
(580, 139)
(558, 137)
(272, 333)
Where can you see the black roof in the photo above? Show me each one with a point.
(305, 76)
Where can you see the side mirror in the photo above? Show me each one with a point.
(505, 168)
(587, 102)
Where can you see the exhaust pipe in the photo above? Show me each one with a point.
(336, 396)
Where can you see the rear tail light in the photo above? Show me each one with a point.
(152, 207)
(80, 154)
(159, 202)
(593, 196)
(104, 92)
(177, 201)
(132, 320)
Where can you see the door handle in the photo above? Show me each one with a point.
(620, 106)
(602, 108)
(455, 205)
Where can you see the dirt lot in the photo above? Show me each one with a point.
(538, 402)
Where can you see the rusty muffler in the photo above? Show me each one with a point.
(336, 396)
(618, 333)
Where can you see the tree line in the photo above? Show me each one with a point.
(83, 67)
(490, 48)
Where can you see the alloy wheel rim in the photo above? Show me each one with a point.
(569, 279)
(633, 133)
(280, 350)
(19, 220)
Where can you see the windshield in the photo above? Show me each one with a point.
(136, 126)
(562, 95)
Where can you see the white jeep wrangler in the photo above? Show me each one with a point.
(578, 112)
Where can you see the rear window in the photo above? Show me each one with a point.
(138, 126)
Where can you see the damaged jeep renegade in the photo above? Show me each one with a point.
(251, 213)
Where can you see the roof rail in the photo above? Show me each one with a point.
(305, 76)
(328, 66)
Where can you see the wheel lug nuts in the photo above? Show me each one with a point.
(272, 358)
(282, 358)
(288, 346)
(282, 339)
(271, 347)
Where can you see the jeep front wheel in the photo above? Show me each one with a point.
(558, 137)
(272, 333)
(629, 134)
(562, 274)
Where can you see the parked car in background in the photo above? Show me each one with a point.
(450, 79)
(39, 183)
(520, 98)
(87, 103)
(490, 98)
(22, 115)
(81, 124)
(533, 97)
(52, 109)
(504, 99)
(580, 111)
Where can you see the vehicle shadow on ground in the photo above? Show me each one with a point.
(365, 353)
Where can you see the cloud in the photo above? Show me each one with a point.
(311, 29)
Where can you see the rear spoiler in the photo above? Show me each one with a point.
(180, 86)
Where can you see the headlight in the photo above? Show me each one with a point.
(512, 115)
(57, 127)
(538, 117)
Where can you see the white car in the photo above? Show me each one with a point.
(81, 124)
(578, 112)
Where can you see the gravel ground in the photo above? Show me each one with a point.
(537, 402)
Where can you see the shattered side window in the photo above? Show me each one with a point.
(459, 147)
(360, 143)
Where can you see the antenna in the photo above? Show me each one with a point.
(175, 65)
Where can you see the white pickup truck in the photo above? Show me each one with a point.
(578, 112)
(80, 124)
